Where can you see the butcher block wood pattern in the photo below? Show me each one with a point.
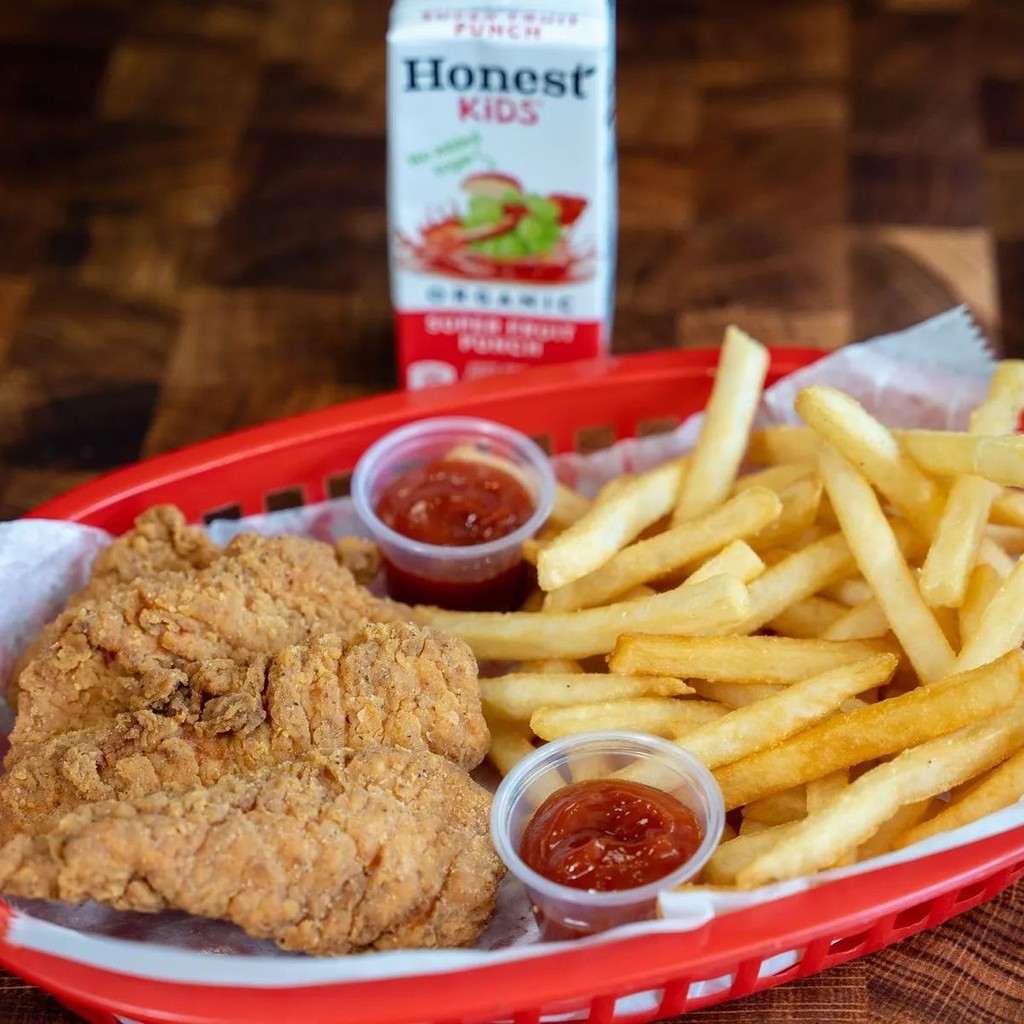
(192, 240)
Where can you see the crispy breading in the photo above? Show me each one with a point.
(129, 648)
(373, 849)
(394, 685)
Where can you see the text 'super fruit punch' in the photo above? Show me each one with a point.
(501, 191)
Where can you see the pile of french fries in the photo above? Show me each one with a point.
(829, 616)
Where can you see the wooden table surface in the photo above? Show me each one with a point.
(192, 239)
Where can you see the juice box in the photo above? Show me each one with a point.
(501, 184)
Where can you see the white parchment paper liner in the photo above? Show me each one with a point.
(929, 376)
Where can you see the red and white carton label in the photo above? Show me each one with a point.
(501, 184)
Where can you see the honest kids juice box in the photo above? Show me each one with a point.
(501, 184)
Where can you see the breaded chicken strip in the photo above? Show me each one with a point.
(129, 648)
(394, 685)
(373, 849)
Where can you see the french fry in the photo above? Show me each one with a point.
(736, 659)
(876, 730)
(551, 666)
(1008, 508)
(982, 586)
(1001, 627)
(778, 808)
(864, 622)
(881, 563)
(734, 856)
(957, 541)
(666, 552)
(747, 730)
(861, 439)
(609, 525)
(807, 619)
(515, 636)
(509, 745)
(785, 443)
(1009, 538)
(891, 831)
(716, 458)
(850, 592)
(943, 453)
(794, 578)
(736, 559)
(518, 695)
(778, 478)
(736, 695)
(922, 771)
(821, 792)
(660, 716)
(998, 788)
(800, 503)
(749, 825)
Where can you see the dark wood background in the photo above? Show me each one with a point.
(192, 239)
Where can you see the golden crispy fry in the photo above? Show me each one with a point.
(860, 438)
(875, 730)
(882, 564)
(783, 444)
(551, 666)
(661, 716)
(1001, 627)
(778, 808)
(609, 525)
(778, 478)
(982, 586)
(998, 788)
(821, 839)
(749, 825)
(821, 792)
(958, 535)
(864, 622)
(1009, 538)
(999, 459)
(807, 619)
(736, 559)
(1008, 508)
(795, 577)
(668, 551)
(891, 831)
(739, 379)
(518, 695)
(515, 636)
(509, 745)
(736, 659)
(734, 856)
(736, 695)
(800, 503)
(746, 730)
(850, 592)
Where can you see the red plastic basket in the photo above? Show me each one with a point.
(308, 458)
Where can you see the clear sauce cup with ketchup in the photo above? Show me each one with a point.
(450, 501)
(596, 825)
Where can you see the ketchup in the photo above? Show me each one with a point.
(607, 835)
(456, 503)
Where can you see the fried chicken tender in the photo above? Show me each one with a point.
(129, 648)
(160, 541)
(373, 849)
(393, 685)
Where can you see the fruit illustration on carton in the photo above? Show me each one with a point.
(504, 233)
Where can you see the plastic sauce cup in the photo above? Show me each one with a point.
(485, 577)
(563, 912)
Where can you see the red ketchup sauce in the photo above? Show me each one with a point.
(605, 835)
(455, 503)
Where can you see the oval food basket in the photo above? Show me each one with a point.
(627, 979)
